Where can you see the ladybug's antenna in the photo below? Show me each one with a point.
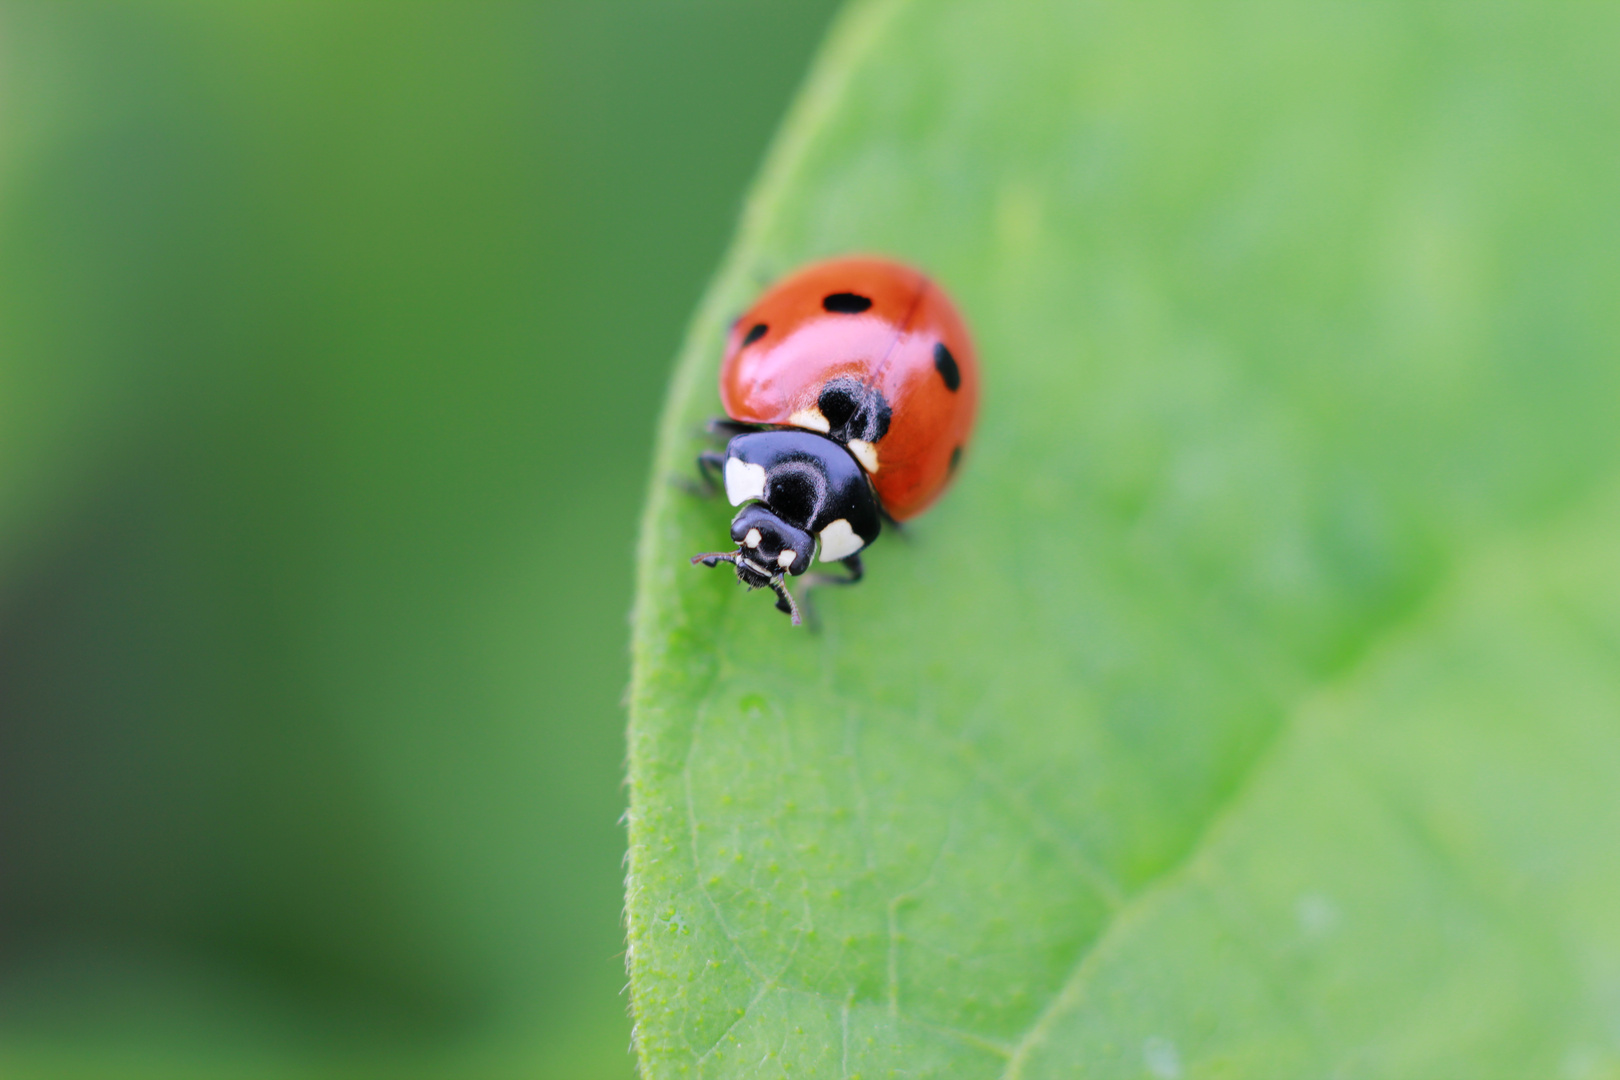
(784, 599)
(780, 589)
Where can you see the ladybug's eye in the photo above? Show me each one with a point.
(846, 303)
(755, 332)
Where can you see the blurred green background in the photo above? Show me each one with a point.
(331, 339)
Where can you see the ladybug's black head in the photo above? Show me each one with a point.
(768, 549)
(767, 541)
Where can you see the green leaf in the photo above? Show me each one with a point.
(1250, 705)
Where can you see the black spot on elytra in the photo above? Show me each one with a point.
(838, 401)
(755, 332)
(846, 303)
(854, 411)
(945, 364)
(956, 458)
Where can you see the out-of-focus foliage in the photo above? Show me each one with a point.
(331, 338)
(1252, 705)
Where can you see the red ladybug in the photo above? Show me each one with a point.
(853, 384)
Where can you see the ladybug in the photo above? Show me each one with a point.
(850, 389)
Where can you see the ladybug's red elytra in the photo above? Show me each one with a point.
(850, 388)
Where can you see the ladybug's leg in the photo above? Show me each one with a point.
(889, 523)
(711, 463)
(712, 468)
(856, 572)
(727, 428)
(812, 581)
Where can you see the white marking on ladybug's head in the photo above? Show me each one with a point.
(785, 559)
(744, 481)
(811, 419)
(838, 541)
(753, 538)
(865, 453)
(762, 571)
